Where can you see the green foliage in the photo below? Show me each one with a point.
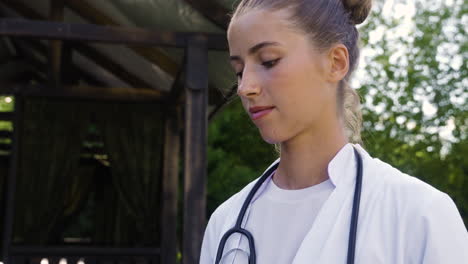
(6, 103)
(415, 94)
(236, 154)
(413, 87)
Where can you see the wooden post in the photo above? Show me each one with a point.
(67, 76)
(195, 148)
(170, 186)
(10, 183)
(55, 51)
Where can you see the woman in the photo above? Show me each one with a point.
(325, 200)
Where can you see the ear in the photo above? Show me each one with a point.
(338, 58)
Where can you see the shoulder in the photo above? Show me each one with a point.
(424, 219)
(408, 200)
(396, 186)
(402, 198)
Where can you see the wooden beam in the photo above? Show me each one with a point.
(14, 68)
(155, 55)
(83, 32)
(93, 15)
(88, 93)
(195, 148)
(24, 46)
(213, 11)
(26, 10)
(104, 34)
(107, 63)
(98, 57)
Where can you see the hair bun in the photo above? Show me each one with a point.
(358, 9)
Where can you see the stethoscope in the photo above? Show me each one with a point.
(238, 229)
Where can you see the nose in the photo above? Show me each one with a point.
(249, 85)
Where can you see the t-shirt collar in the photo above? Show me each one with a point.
(341, 166)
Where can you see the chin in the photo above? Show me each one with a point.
(272, 136)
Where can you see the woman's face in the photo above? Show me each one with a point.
(283, 78)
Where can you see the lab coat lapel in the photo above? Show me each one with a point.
(331, 226)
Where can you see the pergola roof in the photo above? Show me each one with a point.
(132, 66)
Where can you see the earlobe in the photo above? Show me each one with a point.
(339, 62)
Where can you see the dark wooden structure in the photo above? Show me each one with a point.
(185, 107)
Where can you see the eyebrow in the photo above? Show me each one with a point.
(255, 48)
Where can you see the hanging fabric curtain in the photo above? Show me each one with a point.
(77, 194)
(79, 188)
(50, 144)
(114, 226)
(133, 139)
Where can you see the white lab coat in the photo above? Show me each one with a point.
(401, 220)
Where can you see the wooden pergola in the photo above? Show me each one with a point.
(186, 107)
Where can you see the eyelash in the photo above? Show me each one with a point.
(270, 63)
(267, 64)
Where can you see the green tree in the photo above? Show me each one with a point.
(412, 81)
(414, 90)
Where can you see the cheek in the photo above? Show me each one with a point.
(300, 93)
(295, 83)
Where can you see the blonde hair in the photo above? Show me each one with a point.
(327, 22)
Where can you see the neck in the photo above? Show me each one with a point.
(305, 158)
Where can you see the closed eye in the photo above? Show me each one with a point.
(270, 63)
(267, 64)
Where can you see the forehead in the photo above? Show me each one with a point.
(257, 26)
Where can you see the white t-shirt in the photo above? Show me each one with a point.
(280, 219)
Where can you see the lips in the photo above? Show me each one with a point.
(258, 112)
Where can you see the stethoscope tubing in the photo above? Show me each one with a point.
(355, 211)
(238, 229)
